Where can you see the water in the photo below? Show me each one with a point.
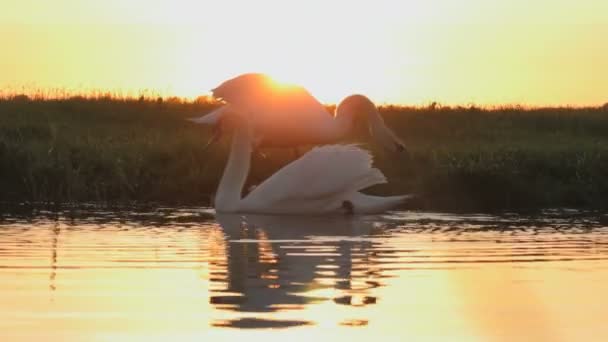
(189, 275)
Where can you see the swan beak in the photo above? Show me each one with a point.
(217, 134)
(403, 153)
(211, 118)
(385, 136)
(401, 149)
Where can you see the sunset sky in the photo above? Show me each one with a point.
(531, 52)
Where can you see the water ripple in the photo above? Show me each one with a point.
(280, 268)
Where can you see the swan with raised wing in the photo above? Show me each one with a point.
(325, 180)
(285, 115)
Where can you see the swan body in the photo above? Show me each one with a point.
(289, 116)
(326, 180)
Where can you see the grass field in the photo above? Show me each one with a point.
(111, 150)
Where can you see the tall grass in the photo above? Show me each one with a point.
(121, 150)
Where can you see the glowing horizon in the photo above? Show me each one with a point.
(410, 52)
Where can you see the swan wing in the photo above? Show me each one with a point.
(325, 176)
(282, 113)
(262, 95)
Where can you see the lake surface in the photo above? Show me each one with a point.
(186, 274)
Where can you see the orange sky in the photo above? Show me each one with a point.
(540, 52)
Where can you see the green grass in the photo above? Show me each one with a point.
(122, 151)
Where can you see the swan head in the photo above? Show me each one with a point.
(358, 108)
(221, 120)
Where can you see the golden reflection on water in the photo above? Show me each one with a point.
(399, 277)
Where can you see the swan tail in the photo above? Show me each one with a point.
(367, 204)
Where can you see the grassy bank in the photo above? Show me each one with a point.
(113, 150)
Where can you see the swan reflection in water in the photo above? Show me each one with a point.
(277, 263)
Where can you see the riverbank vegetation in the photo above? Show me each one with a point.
(112, 150)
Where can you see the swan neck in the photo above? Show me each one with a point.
(344, 121)
(235, 174)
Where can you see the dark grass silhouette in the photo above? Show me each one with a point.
(117, 151)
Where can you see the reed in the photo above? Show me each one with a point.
(119, 150)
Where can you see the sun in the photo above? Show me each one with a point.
(301, 47)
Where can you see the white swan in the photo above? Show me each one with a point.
(325, 180)
(289, 116)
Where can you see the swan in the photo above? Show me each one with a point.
(286, 115)
(325, 180)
